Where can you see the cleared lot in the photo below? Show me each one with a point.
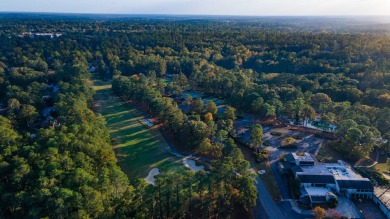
(306, 142)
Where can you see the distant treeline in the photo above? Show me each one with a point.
(62, 165)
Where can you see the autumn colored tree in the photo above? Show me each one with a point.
(319, 212)
(208, 117)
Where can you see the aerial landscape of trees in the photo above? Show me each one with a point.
(56, 156)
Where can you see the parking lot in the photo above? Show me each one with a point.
(369, 209)
(305, 142)
(348, 209)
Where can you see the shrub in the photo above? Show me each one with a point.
(288, 143)
(298, 137)
(333, 202)
(289, 146)
(319, 212)
(261, 156)
(276, 133)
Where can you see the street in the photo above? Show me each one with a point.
(266, 207)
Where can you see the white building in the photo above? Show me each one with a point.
(331, 178)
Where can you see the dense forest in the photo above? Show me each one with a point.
(60, 163)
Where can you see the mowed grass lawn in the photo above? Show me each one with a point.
(138, 148)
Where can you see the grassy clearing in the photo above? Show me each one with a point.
(328, 155)
(382, 167)
(137, 147)
(269, 180)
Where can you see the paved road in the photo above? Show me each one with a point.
(282, 181)
(289, 212)
(267, 208)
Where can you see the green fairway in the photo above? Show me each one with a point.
(138, 148)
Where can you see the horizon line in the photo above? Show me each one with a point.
(178, 14)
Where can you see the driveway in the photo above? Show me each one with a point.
(282, 181)
(289, 212)
(347, 209)
(370, 210)
(266, 206)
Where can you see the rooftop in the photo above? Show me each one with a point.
(296, 169)
(306, 157)
(316, 191)
(315, 178)
(363, 183)
(339, 170)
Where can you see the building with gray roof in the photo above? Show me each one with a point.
(334, 178)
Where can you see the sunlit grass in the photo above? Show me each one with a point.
(328, 155)
(382, 168)
(138, 147)
(269, 180)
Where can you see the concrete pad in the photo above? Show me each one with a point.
(347, 209)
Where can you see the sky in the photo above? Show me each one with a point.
(204, 7)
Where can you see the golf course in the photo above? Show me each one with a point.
(138, 148)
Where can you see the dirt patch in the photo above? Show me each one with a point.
(270, 122)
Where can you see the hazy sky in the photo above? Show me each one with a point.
(209, 7)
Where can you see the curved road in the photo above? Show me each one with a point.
(266, 206)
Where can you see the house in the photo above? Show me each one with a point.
(293, 161)
(316, 180)
(319, 181)
(319, 125)
(315, 195)
(355, 188)
(304, 159)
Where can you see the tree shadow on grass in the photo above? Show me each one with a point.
(138, 148)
